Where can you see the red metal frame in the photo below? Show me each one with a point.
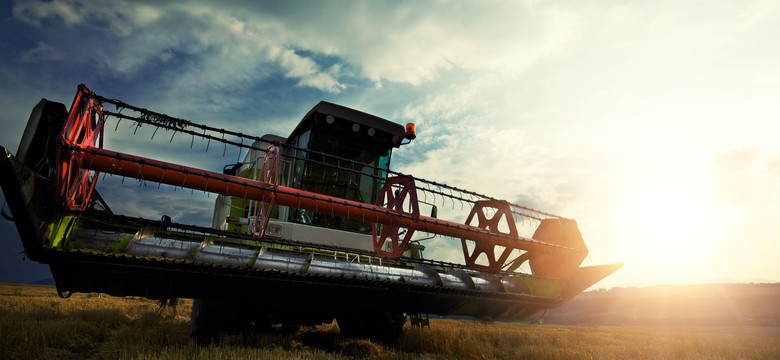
(82, 128)
(482, 212)
(393, 197)
(188, 177)
(263, 207)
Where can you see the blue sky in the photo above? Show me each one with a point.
(653, 123)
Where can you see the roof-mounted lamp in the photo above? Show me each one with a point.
(411, 132)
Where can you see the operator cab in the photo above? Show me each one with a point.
(334, 151)
(358, 147)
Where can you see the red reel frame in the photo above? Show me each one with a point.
(263, 207)
(501, 211)
(82, 129)
(394, 201)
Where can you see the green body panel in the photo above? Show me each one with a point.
(59, 230)
(544, 287)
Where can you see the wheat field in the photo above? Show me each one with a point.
(36, 324)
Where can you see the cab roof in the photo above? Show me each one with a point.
(344, 113)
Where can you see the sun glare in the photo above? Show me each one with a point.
(669, 225)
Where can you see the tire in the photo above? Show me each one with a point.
(210, 318)
(204, 322)
(385, 327)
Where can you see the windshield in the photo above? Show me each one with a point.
(359, 179)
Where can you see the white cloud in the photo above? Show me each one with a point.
(32, 12)
(42, 53)
(747, 179)
(223, 47)
(145, 199)
(412, 43)
(119, 17)
(305, 69)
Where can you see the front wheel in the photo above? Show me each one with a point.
(211, 317)
(382, 326)
(204, 322)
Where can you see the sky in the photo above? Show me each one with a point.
(654, 124)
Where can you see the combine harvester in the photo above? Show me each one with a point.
(307, 228)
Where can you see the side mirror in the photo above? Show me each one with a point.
(232, 169)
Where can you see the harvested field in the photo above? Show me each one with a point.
(35, 323)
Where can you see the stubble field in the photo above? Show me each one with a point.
(35, 323)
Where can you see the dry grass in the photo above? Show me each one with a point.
(35, 323)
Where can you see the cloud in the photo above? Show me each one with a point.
(414, 43)
(214, 45)
(746, 177)
(305, 69)
(32, 12)
(134, 198)
(42, 53)
(426, 40)
(120, 18)
(474, 136)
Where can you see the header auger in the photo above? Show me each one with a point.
(306, 228)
